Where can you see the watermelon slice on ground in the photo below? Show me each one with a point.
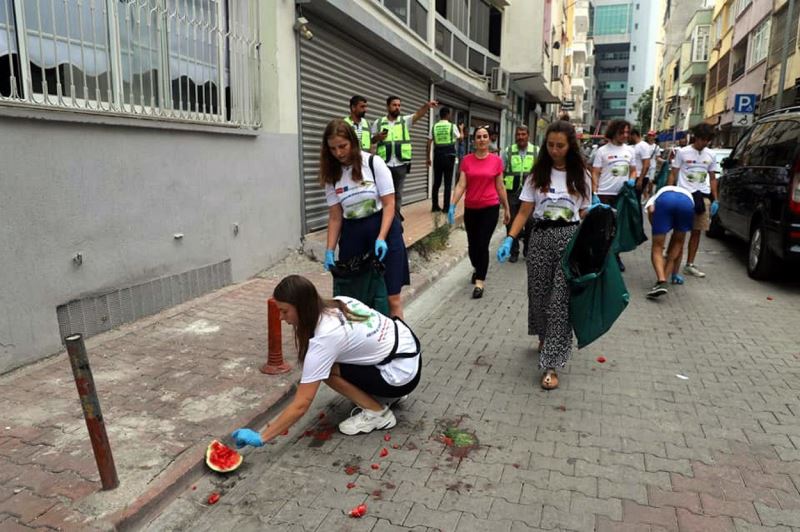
(222, 458)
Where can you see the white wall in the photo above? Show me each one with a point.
(118, 193)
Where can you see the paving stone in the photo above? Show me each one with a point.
(637, 513)
(659, 498)
(26, 506)
(421, 515)
(473, 504)
(622, 490)
(470, 523)
(530, 514)
(690, 522)
(585, 485)
(604, 524)
(772, 517)
(611, 508)
(554, 518)
(741, 509)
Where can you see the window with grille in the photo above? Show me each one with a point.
(723, 69)
(712, 80)
(740, 6)
(777, 29)
(186, 60)
(700, 40)
(759, 43)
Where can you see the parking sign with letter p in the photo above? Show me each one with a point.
(744, 103)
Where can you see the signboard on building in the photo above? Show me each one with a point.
(744, 103)
(742, 119)
(568, 105)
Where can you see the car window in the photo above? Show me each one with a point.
(751, 152)
(781, 145)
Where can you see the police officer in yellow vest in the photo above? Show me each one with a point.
(444, 135)
(519, 159)
(392, 135)
(358, 110)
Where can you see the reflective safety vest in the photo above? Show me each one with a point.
(443, 133)
(518, 167)
(397, 142)
(366, 137)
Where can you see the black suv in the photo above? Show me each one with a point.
(759, 195)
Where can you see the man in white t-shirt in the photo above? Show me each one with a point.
(693, 169)
(643, 153)
(613, 165)
(392, 134)
(655, 161)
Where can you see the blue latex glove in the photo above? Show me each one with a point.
(330, 260)
(631, 182)
(380, 249)
(714, 208)
(504, 251)
(451, 215)
(595, 200)
(244, 437)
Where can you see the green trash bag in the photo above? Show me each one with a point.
(630, 226)
(663, 174)
(598, 295)
(361, 278)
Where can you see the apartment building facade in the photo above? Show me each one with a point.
(717, 110)
(777, 55)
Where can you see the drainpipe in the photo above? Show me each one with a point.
(784, 55)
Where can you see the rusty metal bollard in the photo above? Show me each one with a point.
(275, 364)
(91, 411)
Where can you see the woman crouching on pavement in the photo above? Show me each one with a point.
(355, 350)
(557, 192)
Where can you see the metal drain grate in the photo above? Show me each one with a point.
(95, 314)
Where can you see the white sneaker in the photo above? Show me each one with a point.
(367, 421)
(691, 269)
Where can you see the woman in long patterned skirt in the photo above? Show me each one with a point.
(557, 193)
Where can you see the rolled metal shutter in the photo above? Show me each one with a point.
(484, 112)
(450, 99)
(334, 67)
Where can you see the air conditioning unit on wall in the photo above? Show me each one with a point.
(499, 81)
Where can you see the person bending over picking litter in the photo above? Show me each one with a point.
(355, 350)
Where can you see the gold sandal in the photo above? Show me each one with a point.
(550, 380)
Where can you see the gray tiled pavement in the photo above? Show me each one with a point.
(624, 445)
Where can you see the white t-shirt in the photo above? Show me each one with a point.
(557, 203)
(642, 152)
(361, 343)
(394, 161)
(615, 167)
(359, 200)
(651, 172)
(668, 188)
(695, 168)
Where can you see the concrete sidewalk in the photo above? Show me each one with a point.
(167, 384)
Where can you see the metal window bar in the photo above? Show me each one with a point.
(184, 60)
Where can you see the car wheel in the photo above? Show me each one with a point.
(760, 262)
(715, 230)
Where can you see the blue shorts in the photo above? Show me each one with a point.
(673, 211)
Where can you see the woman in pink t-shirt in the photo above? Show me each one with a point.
(481, 183)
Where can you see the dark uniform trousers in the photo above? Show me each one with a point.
(444, 163)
